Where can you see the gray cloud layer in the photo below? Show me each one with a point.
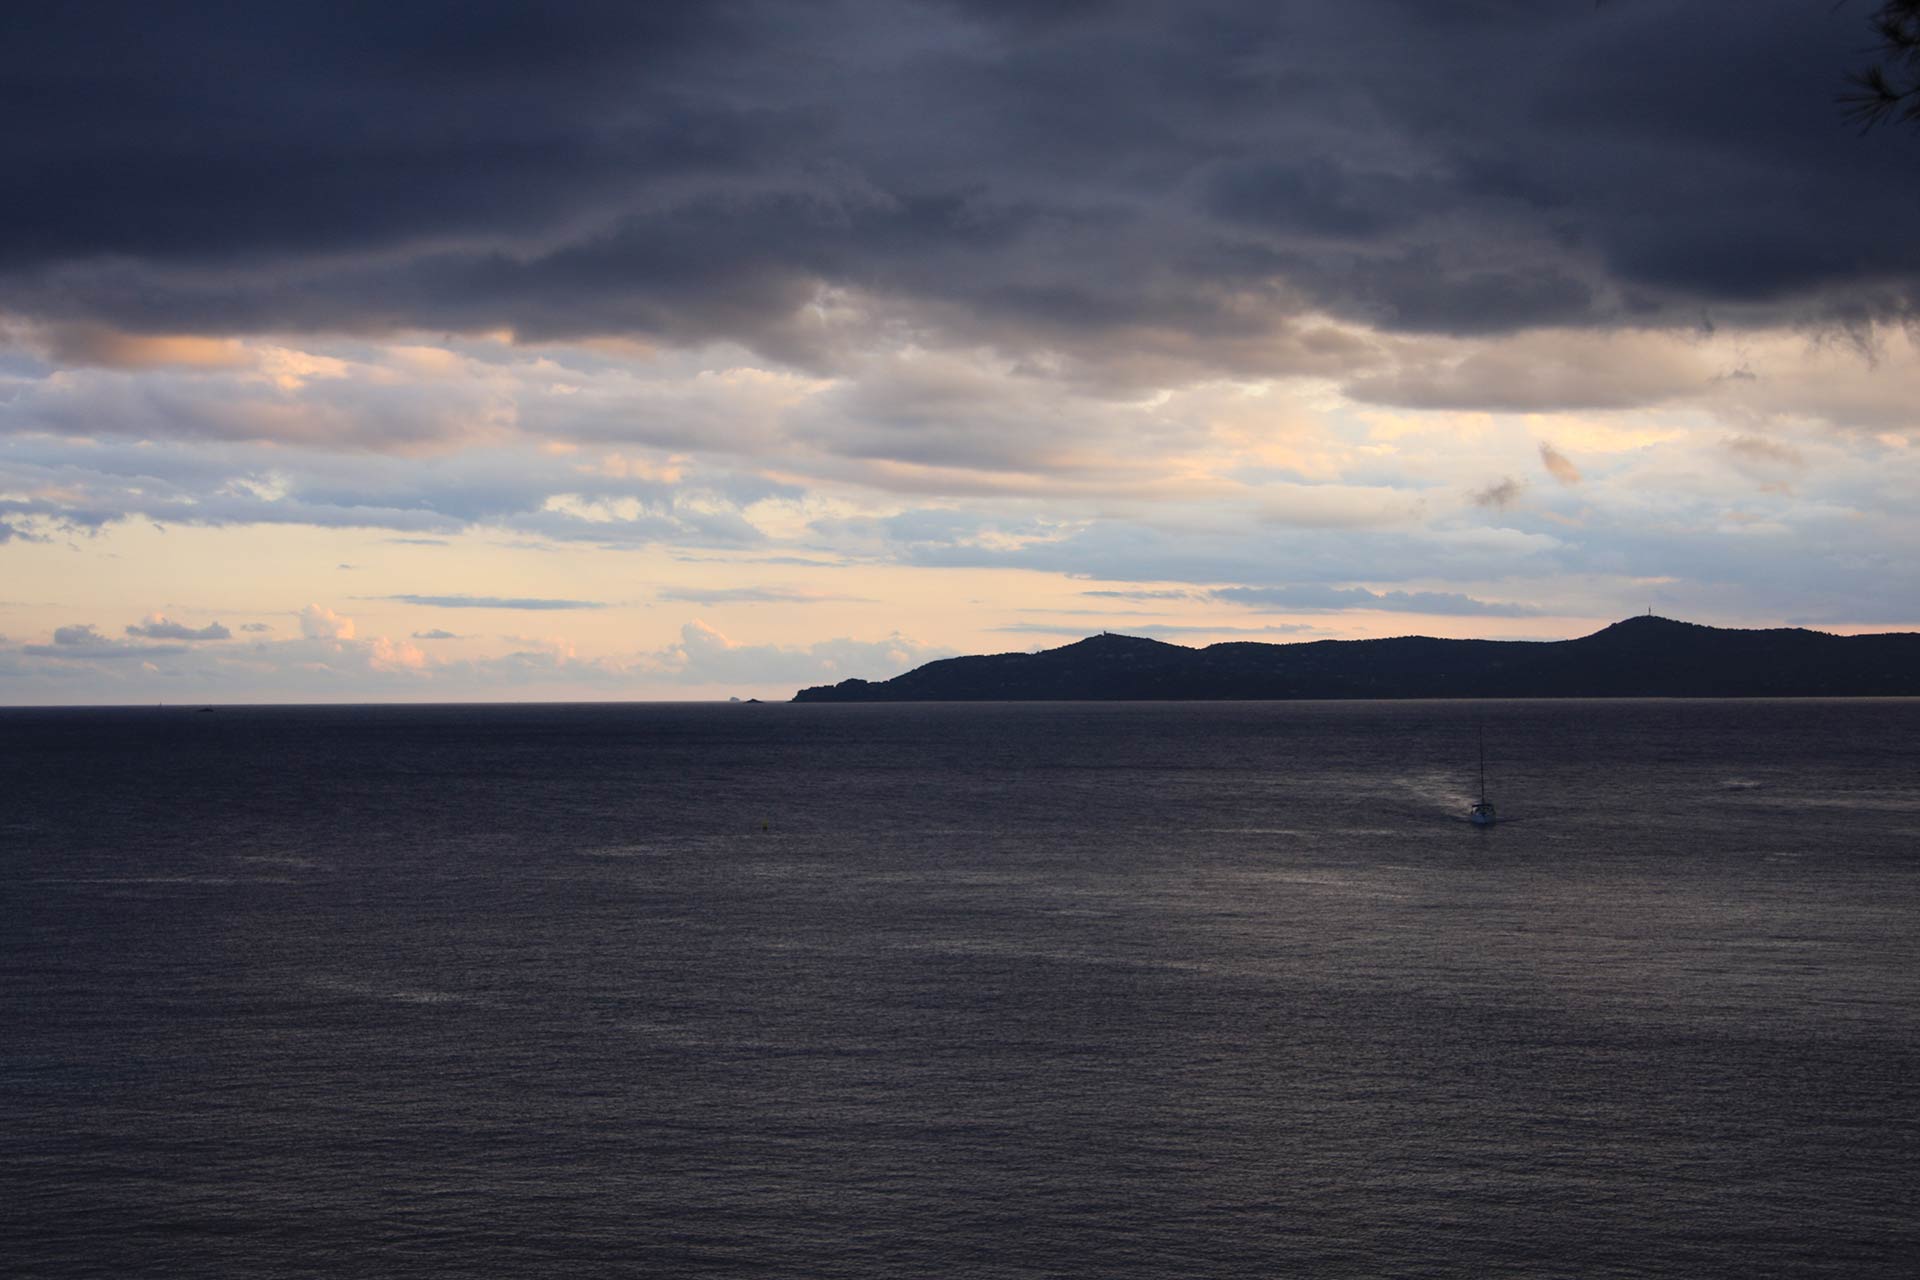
(83, 642)
(496, 602)
(1088, 176)
(163, 628)
(745, 595)
(1436, 603)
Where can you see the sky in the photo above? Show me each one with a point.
(444, 352)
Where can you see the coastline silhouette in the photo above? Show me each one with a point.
(1639, 657)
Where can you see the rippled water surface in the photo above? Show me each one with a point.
(1102, 990)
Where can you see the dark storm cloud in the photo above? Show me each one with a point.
(1066, 173)
(196, 134)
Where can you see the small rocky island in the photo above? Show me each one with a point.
(1637, 658)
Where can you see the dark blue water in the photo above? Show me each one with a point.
(1102, 990)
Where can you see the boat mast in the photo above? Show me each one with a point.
(1483, 762)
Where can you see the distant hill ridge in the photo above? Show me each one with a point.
(1639, 657)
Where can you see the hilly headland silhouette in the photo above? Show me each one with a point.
(1639, 657)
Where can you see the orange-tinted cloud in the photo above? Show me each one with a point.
(75, 344)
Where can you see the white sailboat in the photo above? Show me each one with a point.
(1481, 813)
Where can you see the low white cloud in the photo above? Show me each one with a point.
(384, 654)
(317, 623)
(329, 661)
(703, 655)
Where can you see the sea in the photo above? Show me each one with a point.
(961, 990)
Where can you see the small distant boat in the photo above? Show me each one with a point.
(1481, 813)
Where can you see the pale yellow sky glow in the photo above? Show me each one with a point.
(604, 521)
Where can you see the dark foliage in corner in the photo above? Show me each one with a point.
(1890, 88)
